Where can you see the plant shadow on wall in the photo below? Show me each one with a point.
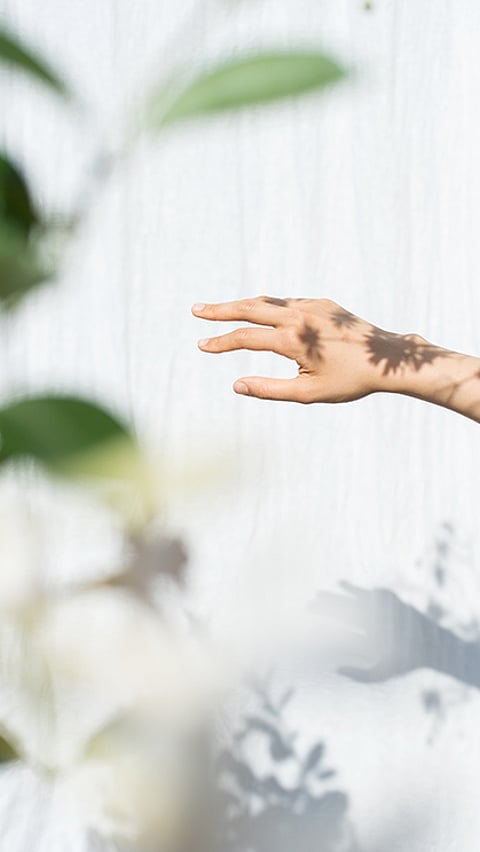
(398, 638)
(262, 813)
(275, 795)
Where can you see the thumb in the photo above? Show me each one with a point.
(292, 390)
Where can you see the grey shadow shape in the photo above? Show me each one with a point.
(400, 638)
(261, 813)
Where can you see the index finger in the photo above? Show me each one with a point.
(246, 310)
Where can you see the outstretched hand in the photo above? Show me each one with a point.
(340, 356)
(394, 637)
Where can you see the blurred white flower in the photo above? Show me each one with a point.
(108, 642)
(20, 555)
(113, 704)
(139, 781)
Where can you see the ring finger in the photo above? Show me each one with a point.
(260, 339)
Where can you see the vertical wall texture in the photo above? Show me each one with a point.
(368, 195)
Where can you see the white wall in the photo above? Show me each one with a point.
(369, 196)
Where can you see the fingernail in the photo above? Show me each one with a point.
(204, 341)
(198, 307)
(240, 387)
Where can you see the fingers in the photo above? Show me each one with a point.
(342, 608)
(354, 590)
(289, 390)
(259, 339)
(250, 310)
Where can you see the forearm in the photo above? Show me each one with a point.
(445, 377)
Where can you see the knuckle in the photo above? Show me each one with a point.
(328, 307)
(248, 306)
(290, 337)
(240, 336)
(261, 390)
(297, 317)
(415, 338)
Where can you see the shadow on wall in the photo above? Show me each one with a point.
(296, 803)
(260, 813)
(257, 812)
(273, 794)
(404, 638)
(396, 638)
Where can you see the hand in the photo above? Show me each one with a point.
(340, 356)
(393, 637)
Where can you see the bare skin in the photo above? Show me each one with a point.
(340, 356)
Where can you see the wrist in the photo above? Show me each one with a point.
(437, 375)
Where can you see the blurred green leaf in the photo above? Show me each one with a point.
(21, 267)
(22, 264)
(246, 81)
(16, 206)
(14, 53)
(55, 429)
(7, 751)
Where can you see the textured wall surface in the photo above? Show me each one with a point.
(369, 195)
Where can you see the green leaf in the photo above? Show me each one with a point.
(21, 267)
(54, 429)
(14, 53)
(22, 264)
(16, 206)
(244, 82)
(7, 752)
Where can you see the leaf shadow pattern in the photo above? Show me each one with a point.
(438, 701)
(342, 318)
(410, 351)
(311, 338)
(454, 386)
(259, 813)
(272, 300)
(400, 350)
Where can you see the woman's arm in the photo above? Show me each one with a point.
(340, 356)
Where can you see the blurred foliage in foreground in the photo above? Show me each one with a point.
(107, 698)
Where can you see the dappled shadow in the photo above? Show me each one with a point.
(311, 338)
(389, 351)
(261, 813)
(393, 351)
(272, 300)
(342, 318)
